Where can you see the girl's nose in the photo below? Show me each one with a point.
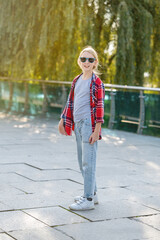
(87, 60)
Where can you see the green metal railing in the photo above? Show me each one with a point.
(140, 120)
(130, 108)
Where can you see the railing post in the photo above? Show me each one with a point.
(112, 111)
(10, 95)
(26, 103)
(45, 99)
(64, 96)
(141, 113)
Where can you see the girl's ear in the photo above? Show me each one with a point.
(78, 61)
(95, 64)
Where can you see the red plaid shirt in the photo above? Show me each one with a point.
(97, 94)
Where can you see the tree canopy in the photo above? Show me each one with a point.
(42, 39)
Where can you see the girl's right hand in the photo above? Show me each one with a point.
(61, 127)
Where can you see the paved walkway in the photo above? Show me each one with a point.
(39, 178)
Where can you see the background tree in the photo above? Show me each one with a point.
(42, 38)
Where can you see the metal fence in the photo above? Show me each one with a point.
(118, 97)
(129, 119)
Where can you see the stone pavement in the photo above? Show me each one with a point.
(39, 178)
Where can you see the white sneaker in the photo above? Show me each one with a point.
(95, 198)
(82, 204)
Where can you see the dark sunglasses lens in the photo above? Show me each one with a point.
(91, 60)
(83, 59)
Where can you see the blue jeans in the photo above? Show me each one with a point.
(86, 156)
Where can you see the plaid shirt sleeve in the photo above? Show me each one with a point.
(63, 115)
(68, 103)
(100, 103)
(67, 114)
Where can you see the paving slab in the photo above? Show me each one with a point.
(39, 157)
(119, 229)
(54, 161)
(19, 168)
(46, 233)
(118, 193)
(49, 187)
(26, 201)
(6, 189)
(152, 221)
(145, 189)
(11, 178)
(152, 202)
(116, 209)
(3, 207)
(37, 175)
(18, 220)
(117, 180)
(4, 236)
(55, 216)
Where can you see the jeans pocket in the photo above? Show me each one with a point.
(86, 130)
(87, 121)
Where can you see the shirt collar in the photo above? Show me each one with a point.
(94, 77)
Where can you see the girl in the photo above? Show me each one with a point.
(84, 113)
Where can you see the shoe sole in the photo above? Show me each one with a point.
(94, 202)
(81, 209)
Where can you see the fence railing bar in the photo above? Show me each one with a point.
(106, 85)
(35, 80)
(131, 87)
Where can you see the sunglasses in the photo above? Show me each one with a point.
(84, 59)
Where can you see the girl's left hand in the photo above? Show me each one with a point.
(94, 137)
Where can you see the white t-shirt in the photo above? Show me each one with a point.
(81, 108)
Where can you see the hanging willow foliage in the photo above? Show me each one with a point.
(133, 45)
(125, 70)
(155, 65)
(43, 38)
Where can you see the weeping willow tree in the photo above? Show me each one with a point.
(42, 38)
(134, 31)
(155, 65)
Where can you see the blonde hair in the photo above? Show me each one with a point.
(91, 50)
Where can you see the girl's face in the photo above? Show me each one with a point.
(87, 66)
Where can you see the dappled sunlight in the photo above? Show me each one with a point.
(13, 117)
(21, 119)
(53, 215)
(37, 130)
(132, 147)
(53, 137)
(38, 215)
(44, 126)
(22, 125)
(153, 165)
(18, 220)
(27, 220)
(2, 115)
(113, 139)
